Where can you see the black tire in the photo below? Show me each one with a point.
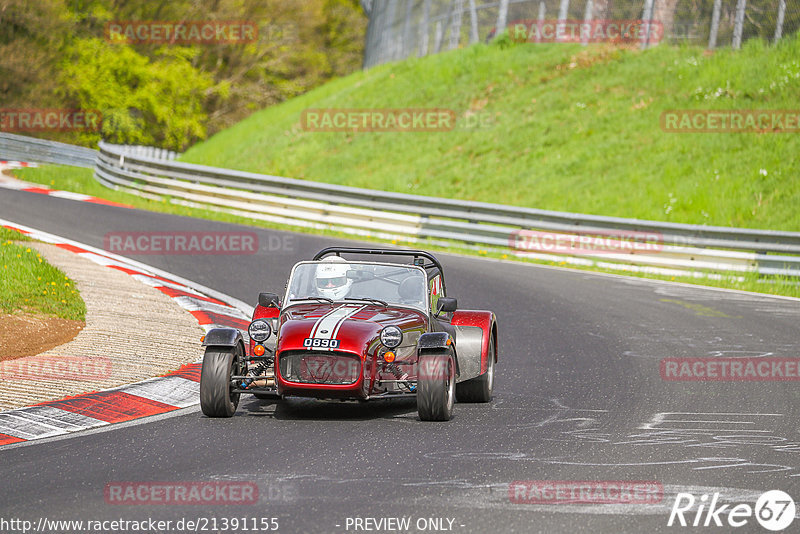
(479, 389)
(219, 365)
(436, 392)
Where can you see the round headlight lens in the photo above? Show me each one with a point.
(391, 336)
(259, 330)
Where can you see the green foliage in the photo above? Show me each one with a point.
(148, 102)
(53, 53)
(31, 284)
(31, 33)
(560, 127)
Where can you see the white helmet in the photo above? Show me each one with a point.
(331, 280)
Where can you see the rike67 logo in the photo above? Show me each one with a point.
(774, 510)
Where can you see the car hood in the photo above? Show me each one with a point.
(354, 326)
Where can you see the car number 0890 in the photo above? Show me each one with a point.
(316, 342)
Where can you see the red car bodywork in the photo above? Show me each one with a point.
(358, 335)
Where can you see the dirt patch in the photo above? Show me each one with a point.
(27, 334)
(600, 54)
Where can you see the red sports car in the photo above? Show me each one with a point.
(355, 325)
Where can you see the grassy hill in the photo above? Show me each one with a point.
(564, 127)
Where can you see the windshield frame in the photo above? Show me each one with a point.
(292, 302)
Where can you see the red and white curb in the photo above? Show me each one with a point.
(20, 185)
(16, 164)
(175, 390)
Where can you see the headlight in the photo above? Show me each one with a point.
(259, 330)
(391, 336)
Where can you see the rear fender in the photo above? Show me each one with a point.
(474, 329)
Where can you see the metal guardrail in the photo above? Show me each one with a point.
(150, 152)
(671, 248)
(674, 248)
(23, 148)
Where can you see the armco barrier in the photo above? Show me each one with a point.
(675, 248)
(681, 247)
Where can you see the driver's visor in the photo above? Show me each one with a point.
(338, 281)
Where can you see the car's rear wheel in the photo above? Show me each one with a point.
(436, 383)
(219, 365)
(479, 389)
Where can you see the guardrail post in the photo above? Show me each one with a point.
(738, 24)
(455, 24)
(407, 46)
(424, 30)
(540, 19)
(587, 19)
(502, 17)
(779, 22)
(370, 40)
(563, 10)
(473, 23)
(647, 17)
(712, 35)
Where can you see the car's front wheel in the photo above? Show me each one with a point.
(436, 386)
(219, 366)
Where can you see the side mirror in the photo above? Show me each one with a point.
(268, 300)
(447, 304)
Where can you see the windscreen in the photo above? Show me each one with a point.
(340, 280)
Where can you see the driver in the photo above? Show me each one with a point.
(331, 278)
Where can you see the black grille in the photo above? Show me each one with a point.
(319, 367)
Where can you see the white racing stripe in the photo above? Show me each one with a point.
(328, 325)
(321, 319)
(340, 323)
